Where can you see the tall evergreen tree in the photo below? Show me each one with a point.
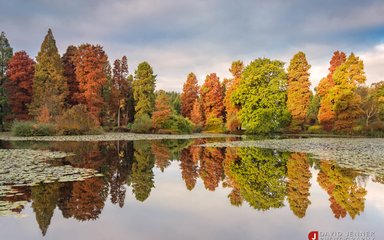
(299, 94)
(91, 62)
(49, 86)
(21, 70)
(6, 53)
(189, 95)
(144, 89)
(69, 64)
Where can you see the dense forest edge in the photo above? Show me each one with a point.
(80, 92)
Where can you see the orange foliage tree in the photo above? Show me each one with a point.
(212, 96)
(21, 70)
(233, 121)
(162, 111)
(91, 62)
(189, 95)
(326, 115)
(197, 113)
(298, 93)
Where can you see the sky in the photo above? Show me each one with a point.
(203, 36)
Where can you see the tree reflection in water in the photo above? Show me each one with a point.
(262, 178)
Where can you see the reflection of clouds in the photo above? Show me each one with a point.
(375, 196)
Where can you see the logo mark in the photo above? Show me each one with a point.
(314, 235)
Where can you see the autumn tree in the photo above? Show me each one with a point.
(298, 184)
(91, 61)
(144, 89)
(49, 86)
(20, 73)
(326, 113)
(298, 92)
(212, 96)
(6, 53)
(347, 102)
(262, 96)
(162, 112)
(69, 65)
(369, 103)
(197, 113)
(121, 93)
(233, 122)
(189, 95)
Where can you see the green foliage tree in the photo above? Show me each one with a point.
(262, 96)
(144, 89)
(6, 53)
(298, 94)
(49, 86)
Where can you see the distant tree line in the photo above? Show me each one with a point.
(260, 98)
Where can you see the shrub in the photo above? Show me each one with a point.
(315, 129)
(142, 124)
(214, 125)
(24, 129)
(77, 120)
(233, 124)
(181, 124)
(28, 128)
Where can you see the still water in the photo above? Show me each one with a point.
(175, 189)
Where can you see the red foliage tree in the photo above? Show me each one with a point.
(91, 61)
(21, 70)
(212, 95)
(68, 59)
(189, 95)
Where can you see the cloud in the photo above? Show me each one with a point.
(203, 36)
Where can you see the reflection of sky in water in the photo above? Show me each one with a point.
(173, 212)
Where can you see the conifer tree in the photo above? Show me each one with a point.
(298, 92)
(212, 96)
(197, 113)
(20, 73)
(189, 95)
(233, 121)
(91, 62)
(162, 111)
(347, 102)
(6, 53)
(69, 64)
(144, 89)
(326, 115)
(49, 86)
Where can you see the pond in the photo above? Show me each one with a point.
(183, 189)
